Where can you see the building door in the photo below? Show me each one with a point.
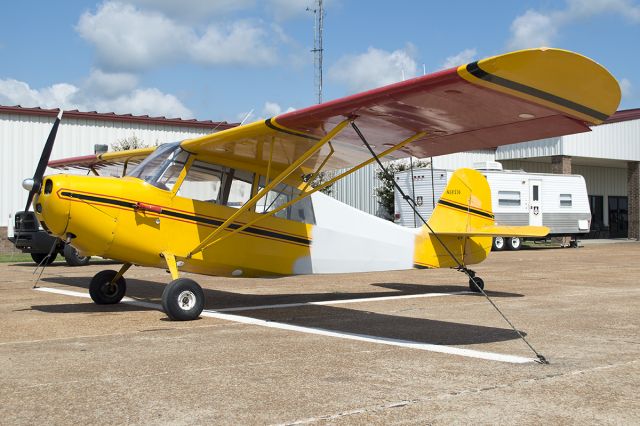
(535, 206)
(618, 217)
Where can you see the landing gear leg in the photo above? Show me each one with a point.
(109, 287)
(476, 284)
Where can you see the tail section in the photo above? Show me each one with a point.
(465, 210)
(464, 222)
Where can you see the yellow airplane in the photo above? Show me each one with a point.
(239, 203)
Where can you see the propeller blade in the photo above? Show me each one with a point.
(44, 160)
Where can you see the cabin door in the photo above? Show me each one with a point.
(535, 206)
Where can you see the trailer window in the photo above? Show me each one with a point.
(565, 200)
(509, 198)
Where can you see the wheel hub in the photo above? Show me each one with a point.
(186, 300)
(110, 289)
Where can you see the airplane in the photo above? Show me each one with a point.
(240, 202)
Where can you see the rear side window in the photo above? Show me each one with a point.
(565, 200)
(509, 198)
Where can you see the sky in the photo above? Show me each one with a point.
(234, 60)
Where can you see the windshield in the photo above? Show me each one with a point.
(162, 167)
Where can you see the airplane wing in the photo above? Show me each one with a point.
(99, 161)
(519, 96)
(515, 97)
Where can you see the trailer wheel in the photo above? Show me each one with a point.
(39, 258)
(497, 244)
(514, 243)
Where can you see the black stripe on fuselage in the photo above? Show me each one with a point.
(194, 218)
(474, 69)
(271, 125)
(466, 209)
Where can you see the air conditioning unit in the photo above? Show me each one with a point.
(487, 165)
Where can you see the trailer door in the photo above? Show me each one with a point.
(535, 206)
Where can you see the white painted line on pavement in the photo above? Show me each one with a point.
(323, 332)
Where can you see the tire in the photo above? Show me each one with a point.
(39, 257)
(183, 300)
(514, 243)
(72, 257)
(102, 292)
(497, 244)
(479, 282)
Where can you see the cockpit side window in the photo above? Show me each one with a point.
(302, 211)
(203, 182)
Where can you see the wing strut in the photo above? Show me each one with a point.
(541, 359)
(306, 194)
(276, 181)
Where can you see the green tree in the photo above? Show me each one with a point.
(385, 191)
(131, 142)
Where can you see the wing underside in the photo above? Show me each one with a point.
(516, 97)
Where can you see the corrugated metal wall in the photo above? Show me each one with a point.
(22, 138)
(616, 141)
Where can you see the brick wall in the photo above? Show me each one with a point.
(633, 189)
(561, 164)
(5, 245)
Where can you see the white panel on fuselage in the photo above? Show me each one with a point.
(345, 239)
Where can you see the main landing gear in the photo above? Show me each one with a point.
(182, 298)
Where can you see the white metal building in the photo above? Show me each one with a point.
(23, 132)
(608, 158)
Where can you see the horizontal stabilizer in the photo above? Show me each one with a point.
(499, 231)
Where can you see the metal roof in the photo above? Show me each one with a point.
(111, 116)
(623, 115)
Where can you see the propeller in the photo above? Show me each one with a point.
(34, 184)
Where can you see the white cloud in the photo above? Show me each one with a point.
(626, 88)
(239, 43)
(287, 9)
(146, 101)
(535, 28)
(194, 10)
(131, 39)
(374, 68)
(270, 109)
(460, 58)
(67, 96)
(14, 92)
(110, 84)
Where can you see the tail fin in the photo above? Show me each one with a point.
(465, 210)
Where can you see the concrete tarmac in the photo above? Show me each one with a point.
(414, 359)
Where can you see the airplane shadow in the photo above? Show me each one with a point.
(333, 318)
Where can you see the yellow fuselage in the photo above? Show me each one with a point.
(102, 218)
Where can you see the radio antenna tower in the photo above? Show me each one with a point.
(317, 47)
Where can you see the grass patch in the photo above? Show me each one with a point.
(15, 257)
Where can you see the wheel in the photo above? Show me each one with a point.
(72, 257)
(103, 292)
(39, 257)
(473, 287)
(498, 244)
(514, 243)
(183, 300)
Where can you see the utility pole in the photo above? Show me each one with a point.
(317, 47)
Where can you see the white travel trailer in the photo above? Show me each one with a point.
(559, 202)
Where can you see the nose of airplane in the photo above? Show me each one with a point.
(52, 210)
